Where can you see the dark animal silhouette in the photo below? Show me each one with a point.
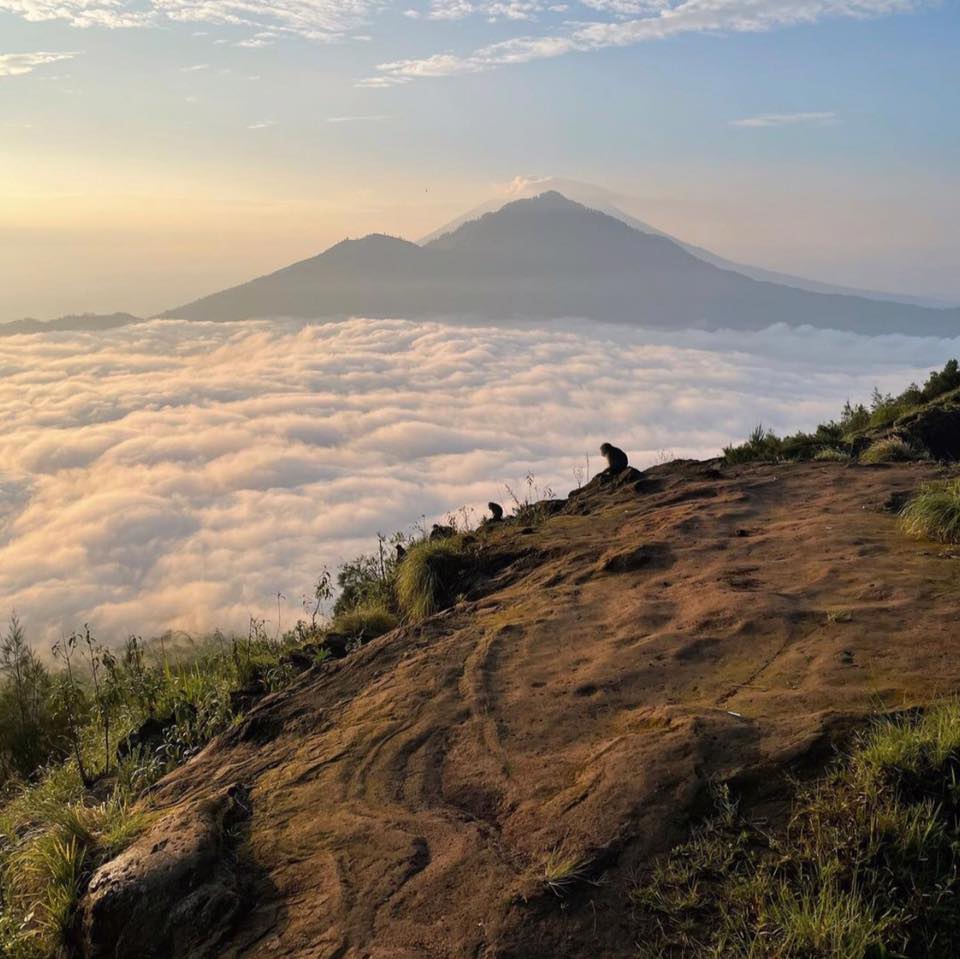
(441, 532)
(497, 510)
(616, 458)
(401, 552)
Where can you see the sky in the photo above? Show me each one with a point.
(179, 475)
(155, 150)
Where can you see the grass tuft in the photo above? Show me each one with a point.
(867, 866)
(835, 616)
(889, 450)
(830, 454)
(918, 748)
(934, 513)
(365, 622)
(45, 873)
(561, 870)
(428, 574)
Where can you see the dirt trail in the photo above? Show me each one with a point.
(402, 802)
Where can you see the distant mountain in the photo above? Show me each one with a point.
(550, 257)
(606, 201)
(78, 321)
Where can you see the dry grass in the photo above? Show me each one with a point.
(561, 870)
(889, 450)
(835, 616)
(365, 622)
(428, 574)
(830, 454)
(934, 513)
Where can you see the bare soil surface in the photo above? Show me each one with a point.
(656, 633)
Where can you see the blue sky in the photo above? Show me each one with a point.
(155, 149)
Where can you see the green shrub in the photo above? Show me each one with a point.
(885, 410)
(33, 727)
(762, 444)
(365, 622)
(934, 513)
(889, 450)
(428, 575)
(867, 866)
(367, 579)
(941, 382)
(853, 418)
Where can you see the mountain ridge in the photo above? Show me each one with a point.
(86, 322)
(606, 201)
(549, 256)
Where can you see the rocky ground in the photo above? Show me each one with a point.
(487, 783)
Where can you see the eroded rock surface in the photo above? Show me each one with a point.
(403, 802)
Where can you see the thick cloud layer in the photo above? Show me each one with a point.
(180, 475)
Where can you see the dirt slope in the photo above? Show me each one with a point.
(400, 804)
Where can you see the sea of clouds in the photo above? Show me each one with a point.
(179, 475)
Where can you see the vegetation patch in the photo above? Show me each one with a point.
(835, 440)
(79, 746)
(47, 869)
(562, 870)
(82, 739)
(867, 866)
(762, 444)
(835, 616)
(934, 513)
(428, 576)
(889, 450)
(532, 504)
(831, 455)
(365, 622)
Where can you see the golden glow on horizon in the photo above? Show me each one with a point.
(82, 233)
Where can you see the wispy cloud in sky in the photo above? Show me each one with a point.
(784, 119)
(493, 11)
(18, 64)
(82, 13)
(659, 19)
(312, 19)
(262, 125)
(265, 38)
(564, 27)
(382, 82)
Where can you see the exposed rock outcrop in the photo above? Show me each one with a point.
(631, 648)
(177, 891)
(934, 428)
